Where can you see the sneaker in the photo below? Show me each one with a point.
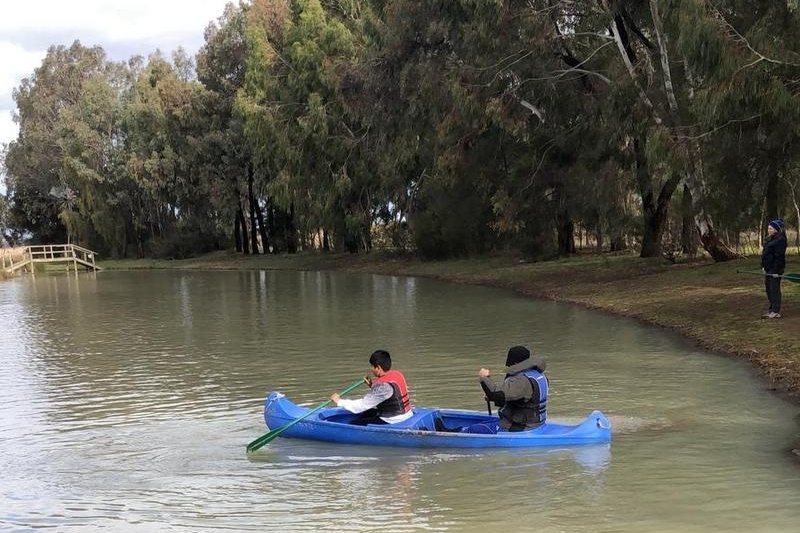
(773, 315)
(765, 314)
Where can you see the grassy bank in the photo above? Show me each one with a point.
(711, 304)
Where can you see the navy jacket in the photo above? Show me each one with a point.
(773, 256)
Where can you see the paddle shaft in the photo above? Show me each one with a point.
(789, 276)
(271, 435)
(487, 393)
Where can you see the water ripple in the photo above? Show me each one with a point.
(128, 399)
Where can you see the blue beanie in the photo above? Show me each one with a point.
(777, 224)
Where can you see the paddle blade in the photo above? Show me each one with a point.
(794, 277)
(263, 440)
(270, 436)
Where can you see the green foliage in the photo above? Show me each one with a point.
(4, 221)
(296, 124)
(192, 237)
(453, 126)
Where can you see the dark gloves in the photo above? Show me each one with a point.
(498, 396)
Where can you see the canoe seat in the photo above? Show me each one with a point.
(340, 416)
(420, 419)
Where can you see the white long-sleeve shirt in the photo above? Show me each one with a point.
(376, 395)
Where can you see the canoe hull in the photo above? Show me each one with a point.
(331, 425)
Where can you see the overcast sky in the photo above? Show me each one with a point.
(123, 28)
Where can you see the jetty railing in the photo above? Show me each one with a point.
(25, 257)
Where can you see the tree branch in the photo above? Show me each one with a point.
(664, 56)
(712, 131)
(760, 57)
(616, 31)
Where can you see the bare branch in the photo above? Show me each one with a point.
(583, 34)
(664, 54)
(626, 60)
(535, 110)
(499, 68)
(503, 60)
(761, 57)
(551, 144)
(710, 132)
(581, 71)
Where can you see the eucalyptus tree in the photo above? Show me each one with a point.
(792, 180)
(481, 124)
(700, 74)
(220, 67)
(429, 129)
(400, 91)
(750, 55)
(5, 230)
(232, 167)
(296, 122)
(48, 105)
(165, 129)
(95, 194)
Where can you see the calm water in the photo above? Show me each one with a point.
(128, 399)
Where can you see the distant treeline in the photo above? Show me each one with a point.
(449, 127)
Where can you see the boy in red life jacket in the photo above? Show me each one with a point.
(387, 400)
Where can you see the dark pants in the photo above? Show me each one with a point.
(773, 287)
(370, 416)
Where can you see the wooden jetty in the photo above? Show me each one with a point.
(25, 257)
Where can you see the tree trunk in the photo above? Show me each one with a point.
(653, 230)
(243, 231)
(695, 181)
(694, 177)
(616, 229)
(598, 235)
(617, 242)
(688, 229)
(252, 202)
(566, 234)
(351, 244)
(367, 239)
(718, 250)
(797, 217)
(654, 210)
(271, 226)
(771, 197)
(237, 233)
(291, 234)
(262, 228)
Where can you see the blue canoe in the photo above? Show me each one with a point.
(332, 425)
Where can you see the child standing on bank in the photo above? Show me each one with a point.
(773, 262)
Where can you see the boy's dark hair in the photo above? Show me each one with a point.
(382, 359)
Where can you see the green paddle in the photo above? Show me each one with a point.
(269, 437)
(794, 277)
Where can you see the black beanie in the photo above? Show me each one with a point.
(517, 354)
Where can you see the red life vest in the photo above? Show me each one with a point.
(398, 403)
